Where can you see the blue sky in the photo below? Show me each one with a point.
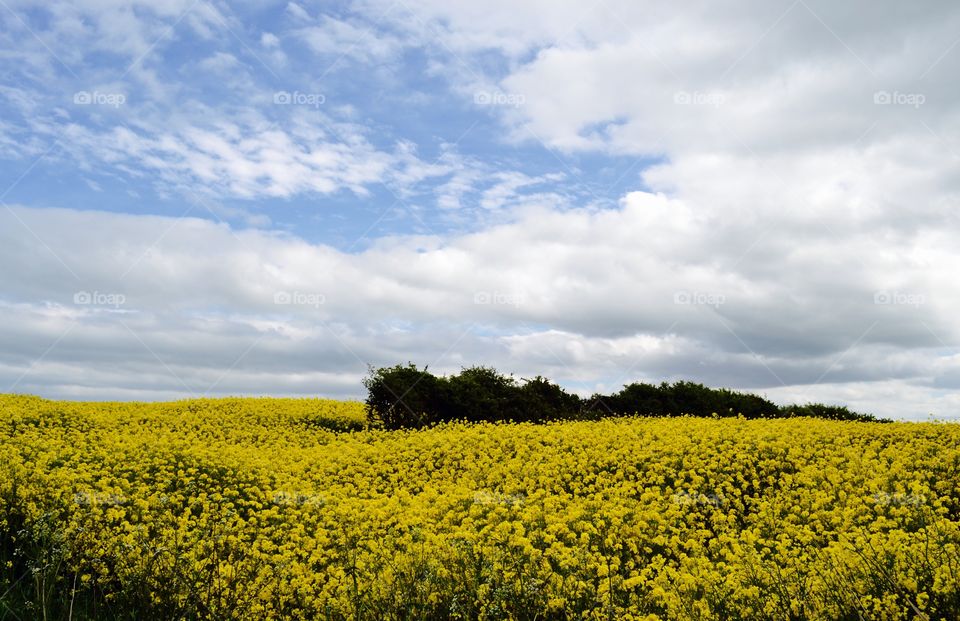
(348, 76)
(211, 197)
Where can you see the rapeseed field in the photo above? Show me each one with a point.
(296, 509)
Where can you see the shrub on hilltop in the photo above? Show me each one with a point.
(684, 398)
(819, 410)
(403, 396)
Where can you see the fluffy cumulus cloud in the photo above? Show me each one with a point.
(192, 300)
(786, 220)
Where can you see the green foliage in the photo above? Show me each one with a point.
(686, 398)
(819, 410)
(541, 400)
(481, 394)
(403, 396)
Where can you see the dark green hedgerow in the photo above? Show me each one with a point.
(405, 396)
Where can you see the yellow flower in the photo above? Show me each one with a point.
(266, 508)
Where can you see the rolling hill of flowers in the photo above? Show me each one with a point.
(297, 509)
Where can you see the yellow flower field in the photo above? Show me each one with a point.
(291, 509)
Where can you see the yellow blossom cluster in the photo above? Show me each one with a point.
(293, 509)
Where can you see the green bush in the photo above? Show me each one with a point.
(819, 410)
(683, 398)
(404, 396)
(541, 400)
(481, 394)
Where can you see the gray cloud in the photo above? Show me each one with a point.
(797, 238)
(199, 310)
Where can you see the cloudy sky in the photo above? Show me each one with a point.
(201, 197)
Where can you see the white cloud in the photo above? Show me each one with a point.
(591, 298)
(339, 39)
(297, 12)
(73, 29)
(269, 40)
(797, 235)
(219, 62)
(250, 156)
(504, 191)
